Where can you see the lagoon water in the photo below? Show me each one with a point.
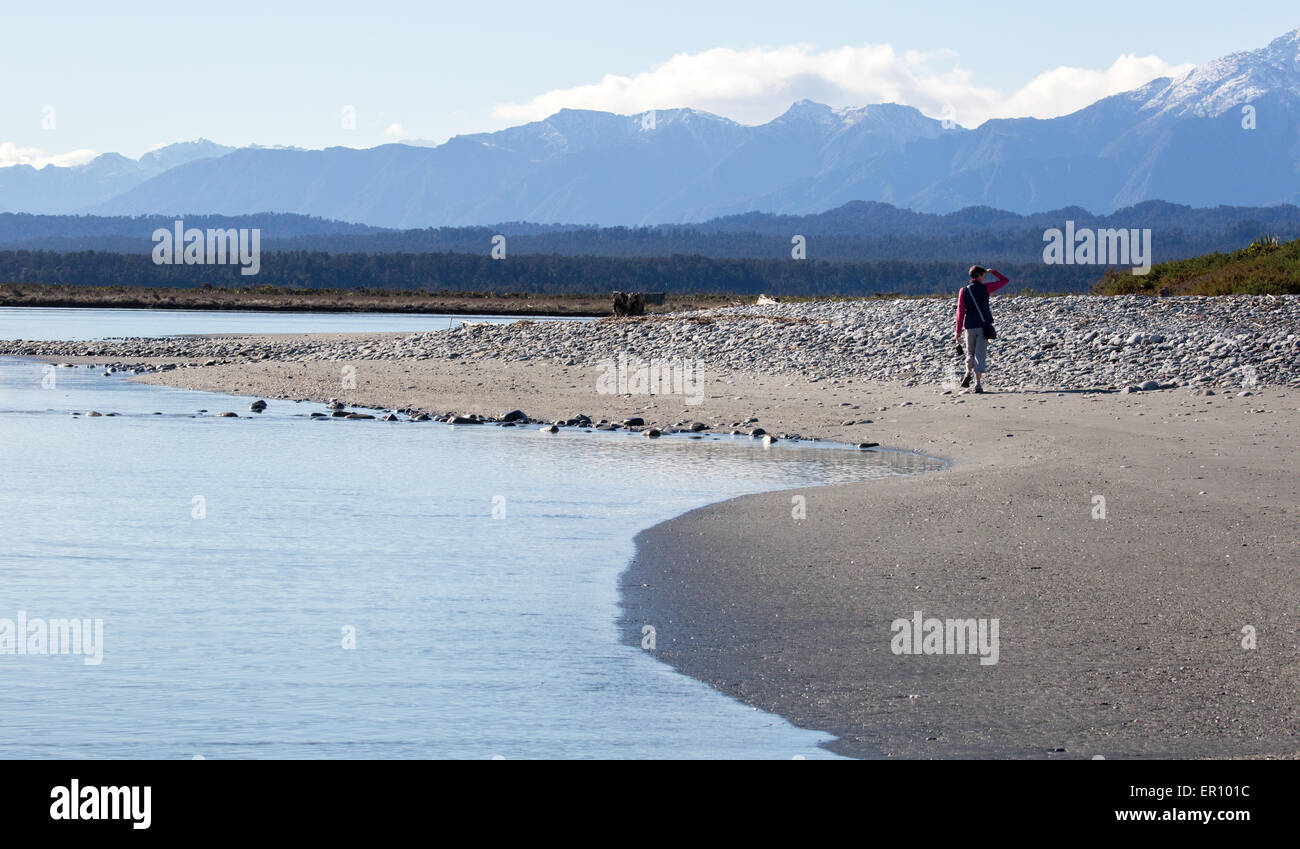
(229, 559)
(78, 323)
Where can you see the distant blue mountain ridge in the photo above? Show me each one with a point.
(856, 232)
(1226, 133)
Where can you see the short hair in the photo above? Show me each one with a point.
(976, 271)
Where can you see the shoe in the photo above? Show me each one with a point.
(965, 381)
(979, 390)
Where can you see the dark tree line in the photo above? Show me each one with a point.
(534, 273)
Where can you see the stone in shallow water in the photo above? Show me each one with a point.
(513, 416)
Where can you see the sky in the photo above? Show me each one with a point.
(319, 74)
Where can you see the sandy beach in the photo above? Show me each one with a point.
(1132, 547)
(1120, 637)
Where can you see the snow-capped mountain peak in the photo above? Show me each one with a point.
(1232, 81)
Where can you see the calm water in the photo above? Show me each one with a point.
(476, 635)
(73, 323)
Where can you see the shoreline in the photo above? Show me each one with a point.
(753, 734)
(157, 379)
(1122, 634)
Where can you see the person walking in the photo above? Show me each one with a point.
(975, 323)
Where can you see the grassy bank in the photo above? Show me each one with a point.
(317, 300)
(1266, 267)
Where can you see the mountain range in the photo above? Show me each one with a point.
(1227, 132)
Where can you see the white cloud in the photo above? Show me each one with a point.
(1074, 88)
(755, 85)
(395, 131)
(12, 154)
